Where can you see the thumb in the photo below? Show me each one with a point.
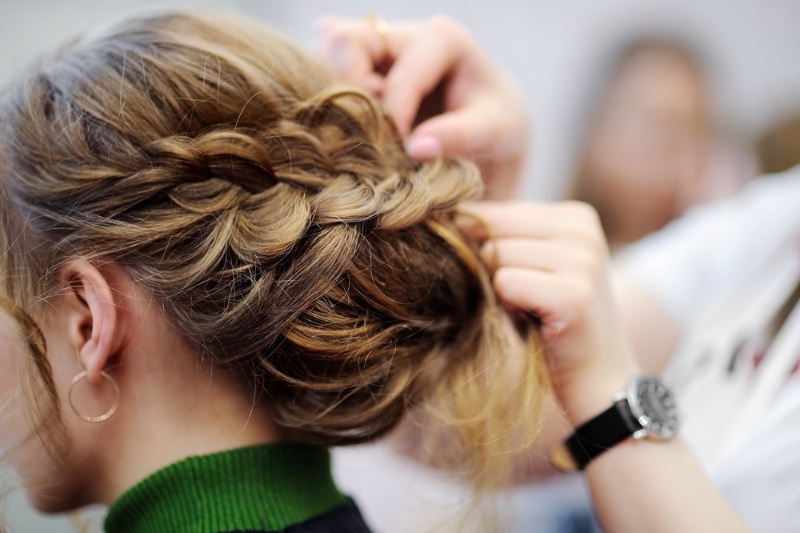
(460, 133)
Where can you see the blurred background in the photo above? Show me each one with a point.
(644, 109)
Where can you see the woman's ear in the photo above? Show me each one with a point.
(93, 317)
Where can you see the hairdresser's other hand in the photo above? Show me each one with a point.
(446, 95)
(551, 260)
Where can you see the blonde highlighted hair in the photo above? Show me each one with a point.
(273, 214)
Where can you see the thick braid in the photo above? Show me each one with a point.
(259, 241)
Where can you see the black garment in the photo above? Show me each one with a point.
(343, 519)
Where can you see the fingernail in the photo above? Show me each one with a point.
(424, 147)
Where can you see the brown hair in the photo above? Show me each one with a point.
(274, 216)
(778, 149)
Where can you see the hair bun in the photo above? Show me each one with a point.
(274, 217)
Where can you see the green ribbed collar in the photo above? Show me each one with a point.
(265, 487)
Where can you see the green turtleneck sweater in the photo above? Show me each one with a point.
(266, 487)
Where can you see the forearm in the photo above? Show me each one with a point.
(649, 484)
(647, 325)
(656, 487)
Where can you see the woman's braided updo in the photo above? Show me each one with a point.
(270, 211)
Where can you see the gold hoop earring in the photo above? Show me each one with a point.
(105, 416)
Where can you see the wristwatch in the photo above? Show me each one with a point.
(646, 409)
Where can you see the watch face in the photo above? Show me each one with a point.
(654, 406)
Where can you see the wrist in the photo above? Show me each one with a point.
(586, 398)
(644, 409)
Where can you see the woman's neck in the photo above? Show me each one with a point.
(172, 406)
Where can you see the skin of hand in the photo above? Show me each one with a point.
(551, 261)
(445, 94)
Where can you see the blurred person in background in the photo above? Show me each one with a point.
(649, 147)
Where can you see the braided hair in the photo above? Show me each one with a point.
(272, 213)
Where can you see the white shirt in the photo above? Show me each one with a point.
(722, 271)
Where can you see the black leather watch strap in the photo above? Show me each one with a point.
(610, 427)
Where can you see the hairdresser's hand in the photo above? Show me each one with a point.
(446, 95)
(551, 260)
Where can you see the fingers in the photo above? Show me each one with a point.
(546, 255)
(476, 111)
(458, 133)
(477, 122)
(421, 57)
(574, 220)
(549, 259)
(353, 49)
(421, 64)
(535, 291)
